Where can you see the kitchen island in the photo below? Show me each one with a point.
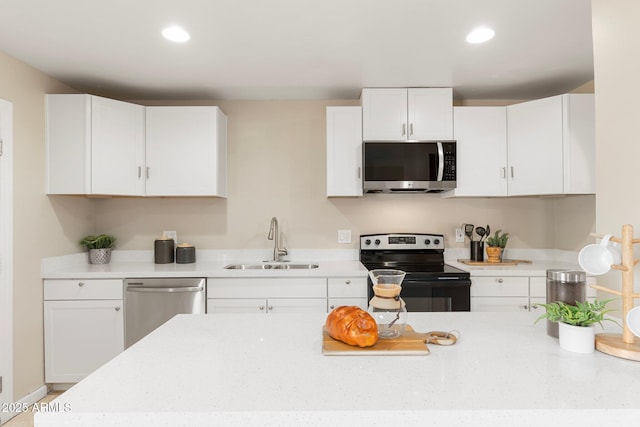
(269, 370)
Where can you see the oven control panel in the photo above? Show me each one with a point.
(401, 241)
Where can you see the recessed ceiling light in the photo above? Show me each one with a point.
(480, 35)
(175, 34)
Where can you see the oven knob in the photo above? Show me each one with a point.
(367, 242)
(436, 241)
(427, 242)
(377, 242)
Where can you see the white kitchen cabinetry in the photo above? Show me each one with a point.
(551, 146)
(100, 146)
(481, 137)
(541, 147)
(499, 293)
(186, 151)
(83, 327)
(347, 291)
(267, 295)
(407, 114)
(344, 151)
(94, 145)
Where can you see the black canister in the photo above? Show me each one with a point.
(476, 252)
(567, 286)
(185, 253)
(164, 250)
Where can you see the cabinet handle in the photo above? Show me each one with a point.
(147, 172)
(80, 284)
(331, 307)
(117, 308)
(270, 308)
(525, 307)
(411, 129)
(359, 172)
(139, 172)
(503, 172)
(500, 280)
(512, 174)
(261, 308)
(347, 282)
(404, 129)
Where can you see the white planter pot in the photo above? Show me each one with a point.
(579, 339)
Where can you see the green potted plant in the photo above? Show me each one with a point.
(99, 247)
(576, 323)
(496, 245)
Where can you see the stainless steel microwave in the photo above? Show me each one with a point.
(422, 166)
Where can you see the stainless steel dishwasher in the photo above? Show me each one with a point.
(148, 303)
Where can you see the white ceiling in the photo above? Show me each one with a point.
(302, 49)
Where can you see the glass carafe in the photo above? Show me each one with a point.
(386, 306)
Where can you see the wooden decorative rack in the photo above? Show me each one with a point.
(622, 345)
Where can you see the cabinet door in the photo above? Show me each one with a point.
(337, 302)
(579, 143)
(430, 113)
(347, 287)
(500, 287)
(186, 151)
(481, 135)
(117, 147)
(384, 114)
(535, 147)
(499, 304)
(344, 151)
(80, 336)
(296, 305)
(236, 305)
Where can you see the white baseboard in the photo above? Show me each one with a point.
(26, 402)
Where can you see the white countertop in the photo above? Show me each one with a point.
(332, 263)
(269, 370)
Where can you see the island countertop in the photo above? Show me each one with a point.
(270, 370)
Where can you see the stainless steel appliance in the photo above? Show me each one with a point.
(150, 302)
(417, 166)
(430, 284)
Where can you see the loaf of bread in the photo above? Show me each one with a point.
(352, 325)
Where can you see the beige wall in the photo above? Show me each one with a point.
(42, 227)
(617, 67)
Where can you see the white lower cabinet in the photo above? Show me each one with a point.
(266, 295)
(83, 327)
(347, 291)
(499, 293)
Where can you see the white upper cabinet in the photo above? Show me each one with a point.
(407, 114)
(100, 146)
(548, 148)
(344, 151)
(481, 136)
(186, 151)
(94, 146)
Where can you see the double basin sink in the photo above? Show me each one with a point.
(271, 266)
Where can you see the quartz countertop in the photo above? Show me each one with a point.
(269, 370)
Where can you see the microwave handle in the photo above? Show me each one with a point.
(440, 161)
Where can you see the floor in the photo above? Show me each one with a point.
(25, 419)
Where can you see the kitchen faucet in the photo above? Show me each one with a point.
(274, 235)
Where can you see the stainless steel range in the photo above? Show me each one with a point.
(430, 284)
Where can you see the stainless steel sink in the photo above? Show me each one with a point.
(272, 266)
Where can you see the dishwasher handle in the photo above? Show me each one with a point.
(164, 289)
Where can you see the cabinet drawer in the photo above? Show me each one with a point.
(347, 287)
(510, 304)
(337, 302)
(500, 286)
(271, 287)
(83, 289)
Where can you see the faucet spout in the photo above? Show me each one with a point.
(274, 235)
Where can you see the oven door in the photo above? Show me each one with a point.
(436, 294)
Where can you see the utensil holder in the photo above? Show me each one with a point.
(477, 251)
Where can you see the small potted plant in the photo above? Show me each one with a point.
(99, 247)
(576, 323)
(496, 245)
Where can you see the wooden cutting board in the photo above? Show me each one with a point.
(409, 343)
(504, 262)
